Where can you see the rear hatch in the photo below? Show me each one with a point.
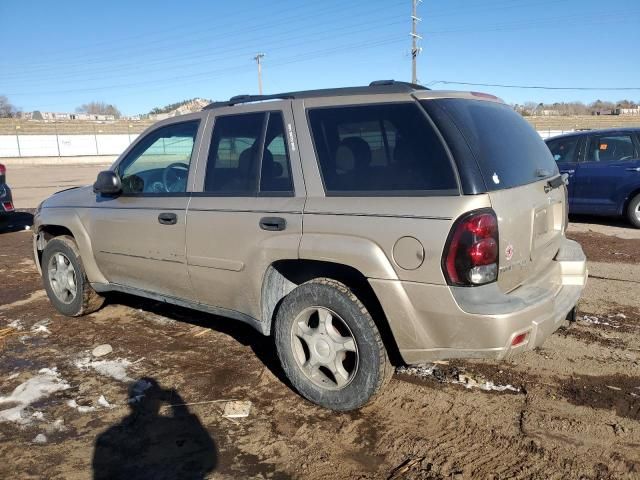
(498, 148)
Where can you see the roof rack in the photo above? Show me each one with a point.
(378, 86)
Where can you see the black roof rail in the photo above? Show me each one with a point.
(378, 86)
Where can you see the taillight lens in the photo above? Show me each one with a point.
(7, 206)
(3, 169)
(471, 253)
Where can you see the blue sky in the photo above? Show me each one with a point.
(142, 54)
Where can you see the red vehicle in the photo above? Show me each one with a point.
(6, 202)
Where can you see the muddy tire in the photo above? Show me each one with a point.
(65, 280)
(329, 346)
(633, 211)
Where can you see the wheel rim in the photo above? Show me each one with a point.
(62, 278)
(637, 212)
(324, 348)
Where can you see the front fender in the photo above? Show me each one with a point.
(67, 218)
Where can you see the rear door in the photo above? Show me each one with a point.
(516, 167)
(609, 172)
(247, 211)
(565, 151)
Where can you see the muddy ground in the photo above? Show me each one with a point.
(568, 410)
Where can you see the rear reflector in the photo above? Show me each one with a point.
(7, 206)
(519, 339)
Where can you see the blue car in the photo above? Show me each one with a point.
(6, 203)
(604, 171)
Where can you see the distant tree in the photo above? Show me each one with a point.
(36, 115)
(99, 108)
(7, 110)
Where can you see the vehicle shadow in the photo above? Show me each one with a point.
(159, 439)
(263, 347)
(600, 220)
(16, 222)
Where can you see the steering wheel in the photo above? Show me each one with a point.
(180, 171)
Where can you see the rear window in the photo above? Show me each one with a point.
(509, 152)
(386, 148)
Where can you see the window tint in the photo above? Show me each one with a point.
(564, 149)
(376, 148)
(612, 148)
(276, 169)
(159, 163)
(232, 166)
(507, 149)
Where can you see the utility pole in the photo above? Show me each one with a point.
(258, 58)
(415, 50)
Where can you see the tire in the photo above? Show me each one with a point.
(633, 211)
(60, 288)
(349, 338)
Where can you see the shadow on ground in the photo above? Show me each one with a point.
(607, 221)
(159, 439)
(262, 346)
(15, 222)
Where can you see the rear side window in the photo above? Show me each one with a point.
(564, 149)
(610, 148)
(509, 152)
(380, 148)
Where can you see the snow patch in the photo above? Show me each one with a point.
(81, 408)
(465, 380)
(593, 320)
(47, 382)
(40, 438)
(116, 369)
(17, 324)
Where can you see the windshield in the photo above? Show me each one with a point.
(509, 152)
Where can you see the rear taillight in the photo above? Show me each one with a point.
(471, 253)
(3, 169)
(7, 206)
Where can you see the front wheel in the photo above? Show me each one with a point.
(329, 346)
(633, 211)
(65, 280)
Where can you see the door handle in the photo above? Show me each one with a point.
(570, 172)
(273, 224)
(167, 218)
(637, 169)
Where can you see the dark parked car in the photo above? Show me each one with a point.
(604, 171)
(6, 202)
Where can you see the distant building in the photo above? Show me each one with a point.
(547, 113)
(602, 111)
(54, 116)
(628, 111)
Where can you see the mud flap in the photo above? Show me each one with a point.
(572, 315)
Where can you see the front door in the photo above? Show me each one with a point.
(606, 175)
(248, 213)
(139, 236)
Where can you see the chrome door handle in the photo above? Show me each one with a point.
(637, 169)
(570, 172)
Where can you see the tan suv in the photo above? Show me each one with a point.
(355, 225)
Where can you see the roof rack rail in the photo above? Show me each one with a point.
(248, 99)
(378, 86)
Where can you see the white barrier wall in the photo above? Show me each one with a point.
(88, 145)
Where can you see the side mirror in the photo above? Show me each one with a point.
(107, 183)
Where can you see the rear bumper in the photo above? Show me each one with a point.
(431, 322)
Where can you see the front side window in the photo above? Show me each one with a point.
(160, 162)
(611, 148)
(380, 148)
(564, 149)
(238, 146)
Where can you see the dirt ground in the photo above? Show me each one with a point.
(568, 410)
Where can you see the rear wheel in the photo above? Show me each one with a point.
(65, 280)
(633, 211)
(329, 346)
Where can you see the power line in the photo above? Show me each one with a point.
(532, 87)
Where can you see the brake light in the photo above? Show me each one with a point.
(3, 169)
(7, 206)
(471, 252)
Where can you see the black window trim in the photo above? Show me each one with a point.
(257, 193)
(578, 150)
(139, 140)
(386, 193)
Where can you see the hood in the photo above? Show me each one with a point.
(71, 197)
